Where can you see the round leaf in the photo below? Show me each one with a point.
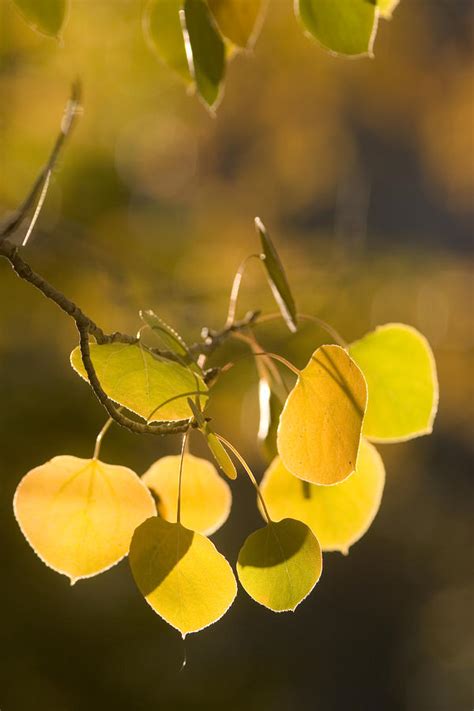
(162, 29)
(45, 16)
(79, 515)
(181, 575)
(238, 20)
(320, 426)
(134, 378)
(400, 370)
(205, 498)
(342, 26)
(338, 515)
(280, 564)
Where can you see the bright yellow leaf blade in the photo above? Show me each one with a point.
(338, 515)
(79, 515)
(238, 20)
(181, 575)
(280, 564)
(205, 497)
(400, 370)
(320, 426)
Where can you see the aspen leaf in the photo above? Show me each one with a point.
(170, 338)
(342, 26)
(205, 498)
(338, 515)
(386, 7)
(219, 453)
(400, 370)
(320, 426)
(270, 410)
(280, 564)
(277, 277)
(207, 50)
(79, 515)
(181, 575)
(238, 20)
(164, 34)
(45, 16)
(134, 378)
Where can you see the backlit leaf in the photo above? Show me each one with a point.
(219, 453)
(169, 337)
(338, 515)
(342, 26)
(238, 20)
(207, 50)
(270, 410)
(181, 575)
(45, 16)
(134, 378)
(280, 564)
(277, 277)
(79, 515)
(320, 426)
(400, 370)
(205, 498)
(386, 7)
(163, 31)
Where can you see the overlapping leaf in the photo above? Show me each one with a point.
(169, 337)
(320, 426)
(280, 564)
(400, 370)
(238, 20)
(205, 498)
(181, 575)
(163, 31)
(45, 16)
(134, 378)
(79, 514)
(270, 410)
(338, 515)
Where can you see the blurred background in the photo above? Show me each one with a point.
(363, 172)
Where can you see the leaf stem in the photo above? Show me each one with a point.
(234, 292)
(100, 437)
(306, 317)
(180, 476)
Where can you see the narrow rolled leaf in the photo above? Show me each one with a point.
(134, 378)
(205, 498)
(164, 34)
(342, 26)
(45, 16)
(277, 277)
(219, 453)
(320, 426)
(181, 575)
(338, 515)
(400, 370)
(270, 410)
(206, 50)
(79, 515)
(170, 338)
(386, 7)
(280, 564)
(238, 20)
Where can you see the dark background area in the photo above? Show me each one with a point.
(363, 172)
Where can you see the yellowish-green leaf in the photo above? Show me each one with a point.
(400, 370)
(205, 498)
(181, 575)
(277, 277)
(169, 337)
(219, 453)
(79, 515)
(134, 378)
(270, 410)
(386, 7)
(164, 34)
(45, 16)
(338, 515)
(342, 26)
(238, 20)
(280, 564)
(206, 49)
(320, 426)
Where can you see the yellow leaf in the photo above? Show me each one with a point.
(79, 515)
(320, 426)
(205, 498)
(280, 564)
(338, 515)
(181, 575)
(238, 20)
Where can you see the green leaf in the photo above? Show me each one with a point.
(181, 575)
(219, 452)
(45, 16)
(134, 378)
(164, 34)
(277, 277)
(280, 564)
(169, 337)
(400, 370)
(207, 50)
(338, 515)
(320, 426)
(238, 20)
(386, 7)
(342, 26)
(270, 410)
